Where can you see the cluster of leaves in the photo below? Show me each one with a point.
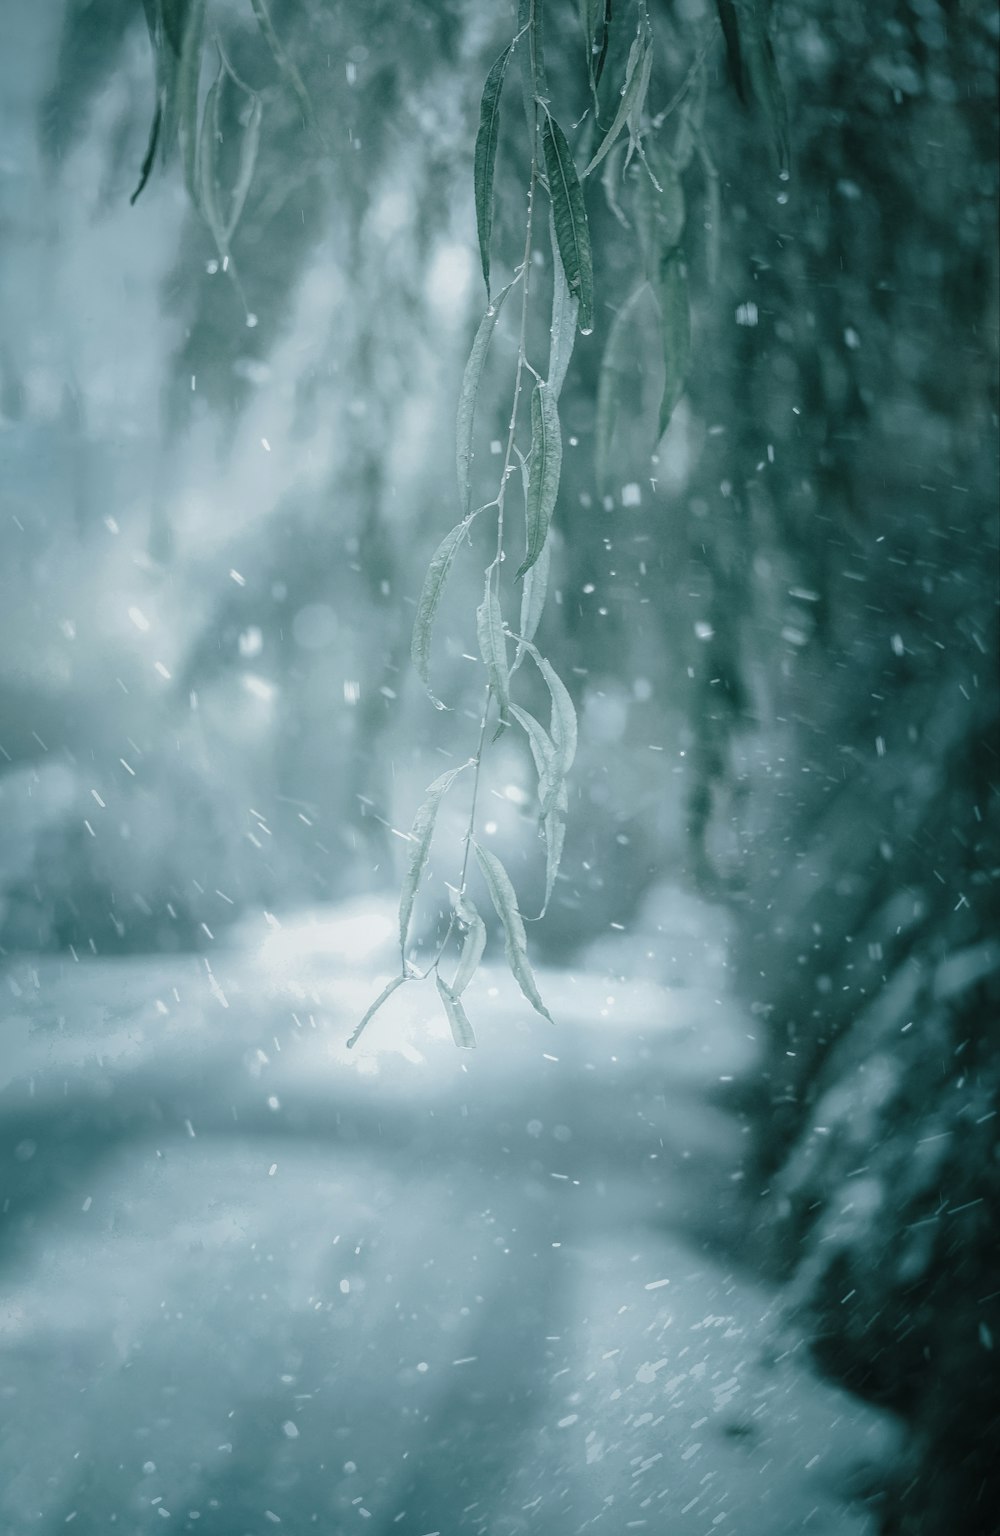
(623, 149)
(185, 120)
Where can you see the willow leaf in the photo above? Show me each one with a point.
(493, 649)
(249, 144)
(186, 87)
(473, 944)
(544, 469)
(610, 178)
(570, 217)
(471, 380)
(533, 594)
(384, 995)
(515, 939)
(675, 331)
(562, 724)
(430, 597)
(542, 751)
(618, 360)
(635, 73)
(421, 834)
(461, 1030)
(486, 156)
(659, 211)
(554, 832)
(284, 61)
(565, 309)
(638, 104)
(207, 164)
(713, 216)
(765, 82)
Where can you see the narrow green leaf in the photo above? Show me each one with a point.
(590, 10)
(471, 379)
(421, 834)
(659, 211)
(461, 1030)
(619, 358)
(765, 82)
(430, 597)
(493, 649)
(207, 179)
(675, 331)
(284, 62)
(249, 144)
(542, 751)
(384, 995)
(565, 309)
(570, 216)
(486, 156)
(638, 104)
(554, 832)
(636, 72)
(533, 594)
(473, 945)
(562, 724)
(186, 87)
(544, 468)
(515, 939)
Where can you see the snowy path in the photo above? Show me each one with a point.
(250, 1282)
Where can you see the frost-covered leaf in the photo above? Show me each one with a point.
(486, 156)
(533, 594)
(430, 597)
(675, 331)
(471, 379)
(421, 834)
(565, 309)
(384, 995)
(632, 99)
(461, 1030)
(570, 217)
(515, 939)
(493, 649)
(544, 468)
(619, 359)
(473, 944)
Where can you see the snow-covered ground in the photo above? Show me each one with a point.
(250, 1280)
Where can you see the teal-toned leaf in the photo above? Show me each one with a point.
(207, 167)
(473, 944)
(493, 649)
(570, 217)
(562, 724)
(713, 216)
(675, 331)
(618, 361)
(421, 834)
(515, 939)
(590, 12)
(638, 104)
(762, 71)
(486, 157)
(533, 594)
(658, 211)
(384, 995)
(468, 395)
(282, 59)
(636, 72)
(611, 179)
(430, 597)
(554, 832)
(565, 310)
(544, 469)
(461, 1030)
(249, 144)
(542, 751)
(187, 82)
